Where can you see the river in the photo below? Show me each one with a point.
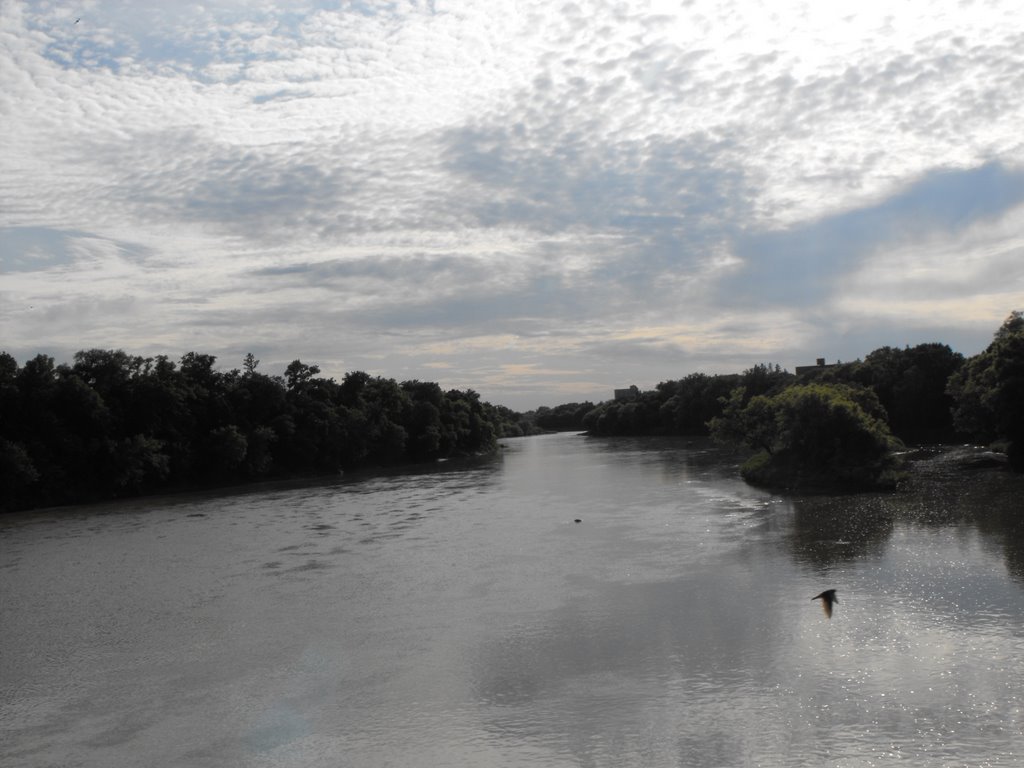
(461, 617)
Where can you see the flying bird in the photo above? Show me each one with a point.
(78, 20)
(828, 597)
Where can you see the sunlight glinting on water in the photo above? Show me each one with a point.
(462, 618)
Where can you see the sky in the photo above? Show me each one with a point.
(540, 201)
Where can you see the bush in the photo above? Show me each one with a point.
(812, 435)
(989, 391)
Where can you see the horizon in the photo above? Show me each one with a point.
(540, 203)
(277, 370)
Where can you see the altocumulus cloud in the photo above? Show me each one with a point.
(540, 201)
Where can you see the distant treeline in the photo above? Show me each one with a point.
(910, 384)
(927, 393)
(113, 424)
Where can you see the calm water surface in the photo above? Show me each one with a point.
(461, 618)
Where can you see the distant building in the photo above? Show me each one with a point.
(627, 394)
(819, 365)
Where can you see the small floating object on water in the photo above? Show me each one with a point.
(828, 597)
(577, 520)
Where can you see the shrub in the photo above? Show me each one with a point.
(812, 435)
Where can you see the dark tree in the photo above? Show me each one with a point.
(250, 363)
(911, 386)
(812, 435)
(989, 390)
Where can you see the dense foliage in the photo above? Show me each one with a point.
(848, 416)
(113, 424)
(989, 391)
(562, 418)
(816, 434)
(910, 384)
(682, 407)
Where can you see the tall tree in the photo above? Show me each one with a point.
(812, 434)
(989, 390)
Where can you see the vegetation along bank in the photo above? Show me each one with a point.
(112, 424)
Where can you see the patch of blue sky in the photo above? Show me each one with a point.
(87, 54)
(31, 249)
(801, 264)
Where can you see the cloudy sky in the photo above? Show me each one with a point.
(538, 200)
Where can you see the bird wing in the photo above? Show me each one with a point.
(827, 598)
(826, 606)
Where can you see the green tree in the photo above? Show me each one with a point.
(113, 423)
(225, 449)
(250, 363)
(812, 435)
(258, 456)
(989, 390)
(465, 417)
(199, 370)
(107, 371)
(565, 417)
(17, 475)
(298, 374)
(138, 462)
(422, 419)
(764, 378)
(353, 385)
(204, 393)
(911, 386)
(751, 422)
(688, 404)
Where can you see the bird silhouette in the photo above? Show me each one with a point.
(828, 597)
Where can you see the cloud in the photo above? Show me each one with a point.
(606, 184)
(804, 265)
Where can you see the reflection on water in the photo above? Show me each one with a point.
(460, 617)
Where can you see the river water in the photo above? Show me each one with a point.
(460, 617)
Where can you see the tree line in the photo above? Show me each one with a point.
(112, 424)
(929, 393)
(910, 383)
(843, 422)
